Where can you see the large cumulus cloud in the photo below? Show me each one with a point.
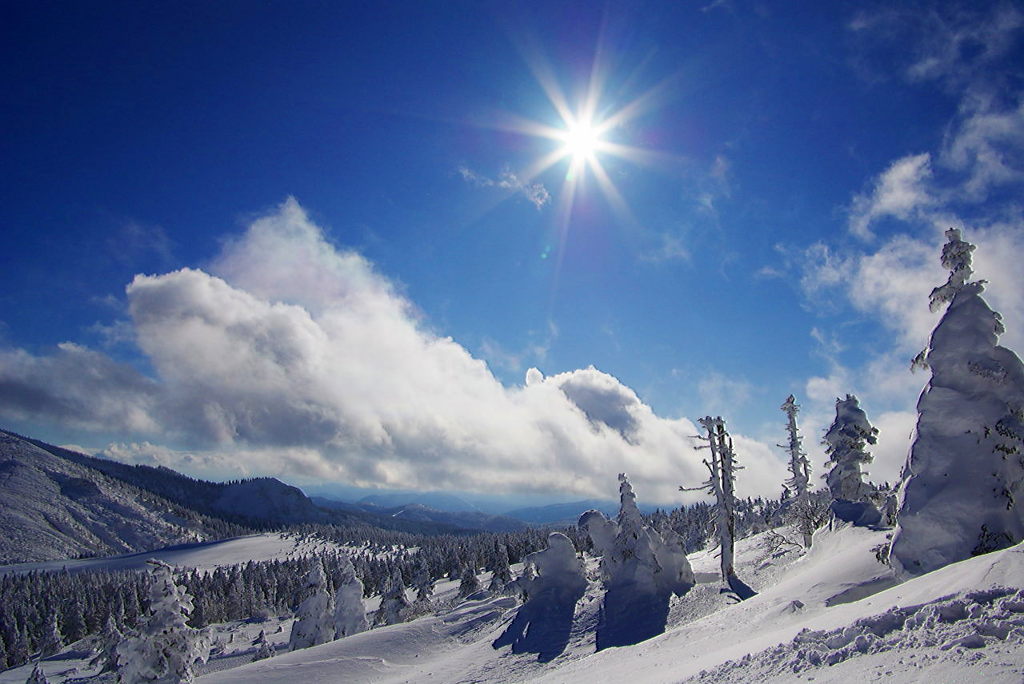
(292, 357)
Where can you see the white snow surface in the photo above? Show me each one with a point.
(203, 556)
(834, 614)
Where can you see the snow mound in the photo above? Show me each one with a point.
(941, 633)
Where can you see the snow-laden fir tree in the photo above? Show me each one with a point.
(349, 611)
(105, 657)
(422, 582)
(800, 511)
(52, 641)
(264, 649)
(469, 583)
(543, 623)
(394, 606)
(37, 676)
(640, 567)
(721, 483)
(845, 443)
(962, 484)
(314, 619)
(165, 650)
(501, 573)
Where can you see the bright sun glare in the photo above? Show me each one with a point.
(581, 139)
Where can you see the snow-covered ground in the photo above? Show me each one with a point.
(201, 556)
(834, 614)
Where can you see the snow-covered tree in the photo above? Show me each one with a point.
(106, 646)
(722, 468)
(37, 676)
(501, 573)
(264, 649)
(52, 641)
(349, 611)
(962, 484)
(314, 619)
(422, 582)
(800, 510)
(845, 443)
(469, 583)
(544, 621)
(641, 568)
(165, 650)
(394, 606)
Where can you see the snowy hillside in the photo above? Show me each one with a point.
(53, 508)
(827, 614)
(199, 556)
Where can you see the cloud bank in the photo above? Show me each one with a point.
(289, 356)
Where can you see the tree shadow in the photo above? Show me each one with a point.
(543, 623)
(742, 590)
(629, 616)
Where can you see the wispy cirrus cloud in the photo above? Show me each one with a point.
(536, 193)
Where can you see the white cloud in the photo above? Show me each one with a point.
(295, 358)
(536, 193)
(900, 191)
(723, 395)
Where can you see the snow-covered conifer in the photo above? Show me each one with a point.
(52, 641)
(166, 649)
(469, 583)
(543, 622)
(845, 444)
(349, 611)
(501, 573)
(37, 676)
(640, 567)
(394, 606)
(264, 649)
(422, 582)
(800, 510)
(314, 619)
(964, 477)
(106, 646)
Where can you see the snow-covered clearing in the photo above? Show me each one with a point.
(834, 614)
(203, 556)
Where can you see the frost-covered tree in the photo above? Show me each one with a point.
(469, 583)
(394, 606)
(314, 619)
(422, 581)
(264, 649)
(349, 611)
(544, 621)
(640, 567)
(799, 510)
(722, 482)
(165, 650)
(52, 641)
(962, 484)
(105, 657)
(37, 676)
(845, 443)
(501, 573)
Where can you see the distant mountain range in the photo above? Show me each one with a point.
(56, 503)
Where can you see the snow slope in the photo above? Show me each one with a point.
(835, 591)
(51, 508)
(201, 556)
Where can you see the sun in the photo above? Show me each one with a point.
(581, 140)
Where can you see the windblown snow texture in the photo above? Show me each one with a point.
(963, 481)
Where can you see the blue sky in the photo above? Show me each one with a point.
(352, 190)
